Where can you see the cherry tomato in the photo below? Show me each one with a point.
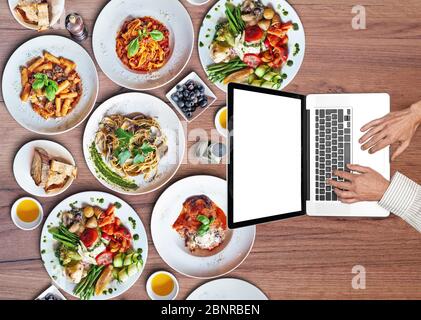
(104, 258)
(281, 56)
(106, 236)
(105, 220)
(89, 237)
(108, 229)
(253, 34)
(252, 60)
(287, 26)
(122, 232)
(273, 40)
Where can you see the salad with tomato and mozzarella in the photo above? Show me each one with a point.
(94, 248)
(250, 46)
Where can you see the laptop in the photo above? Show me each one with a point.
(284, 146)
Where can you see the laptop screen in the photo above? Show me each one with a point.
(267, 159)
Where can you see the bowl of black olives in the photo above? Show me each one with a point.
(191, 97)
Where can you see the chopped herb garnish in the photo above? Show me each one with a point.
(295, 26)
(117, 205)
(206, 223)
(290, 63)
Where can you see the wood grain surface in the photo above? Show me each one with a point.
(300, 258)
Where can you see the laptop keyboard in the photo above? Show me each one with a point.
(333, 148)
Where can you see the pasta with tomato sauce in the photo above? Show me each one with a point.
(143, 44)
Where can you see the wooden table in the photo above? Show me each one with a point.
(300, 258)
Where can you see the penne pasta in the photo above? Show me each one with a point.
(52, 85)
(36, 64)
(70, 95)
(58, 107)
(63, 86)
(24, 76)
(65, 107)
(52, 58)
(25, 92)
(45, 66)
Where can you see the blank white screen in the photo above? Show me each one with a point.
(267, 155)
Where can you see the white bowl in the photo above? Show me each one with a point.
(222, 131)
(151, 106)
(171, 13)
(56, 8)
(211, 96)
(23, 161)
(173, 294)
(11, 85)
(26, 225)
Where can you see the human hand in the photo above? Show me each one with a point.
(366, 185)
(398, 126)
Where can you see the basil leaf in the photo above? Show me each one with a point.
(124, 156)
(40, 76)
(146, 148)
(156, 35)
(52, 83)
(133, 47)
(139, 158)
(211, 220)
(203, 229)
(203, 219)
(123, 136)
(38, 84)
(50, 93)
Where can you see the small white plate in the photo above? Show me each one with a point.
(171, 13)
(222, 131)
(227, 289)
(23, 160)
(47, 243)
(55, 10)
(151, 106)
(173, 294)
(27, 226)
(217, 14)
(11, 86)
(171, 247)
(211, 96)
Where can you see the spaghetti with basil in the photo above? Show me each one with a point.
(132, 144)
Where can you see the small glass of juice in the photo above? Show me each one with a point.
(162, 285)
(27, 213)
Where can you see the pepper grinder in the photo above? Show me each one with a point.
(76, 27)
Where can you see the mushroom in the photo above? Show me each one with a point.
(75, 227)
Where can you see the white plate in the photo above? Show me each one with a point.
(22, 111)
(151, 106)
(227, 289)
(208, 92)
(217, 14)
(55, 10)
(170, 245)
(171, 13)
(51, 263)
(23, 160)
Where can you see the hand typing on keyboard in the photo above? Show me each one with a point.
(396, 127)
(362, 184)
